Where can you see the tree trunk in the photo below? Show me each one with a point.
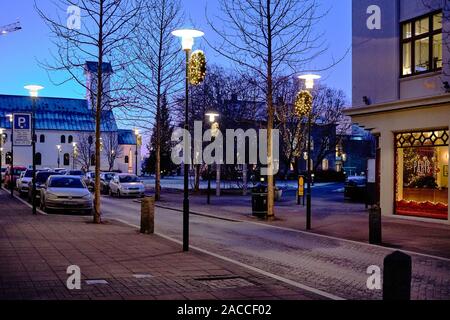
(98, 114)
(269, 96)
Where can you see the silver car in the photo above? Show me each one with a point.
(23, 181)
(66, 192)
(126, 185)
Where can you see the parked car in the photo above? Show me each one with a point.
(60, 171)
(105, 179)
(66, 192)
(22, 183)
(41, 179)
(126, 185)
(89, 179)
(12, 174)
(77, 173)
(355, 188)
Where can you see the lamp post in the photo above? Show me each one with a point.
(212, 115)
(187, 37)
(309, 84)
(136, 133)
(58, 146)
(34, 93)
(11, 173)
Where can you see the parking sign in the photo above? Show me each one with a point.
(22, 129)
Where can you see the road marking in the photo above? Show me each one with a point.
(318, 235)
(254, 269)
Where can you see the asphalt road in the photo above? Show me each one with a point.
(334, 266)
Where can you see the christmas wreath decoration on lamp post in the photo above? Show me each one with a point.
(197, 68)
(303, 103)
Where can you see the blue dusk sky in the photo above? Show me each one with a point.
(21, 51)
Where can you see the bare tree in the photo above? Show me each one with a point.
(154, 69)
(84, 149)
(106, 26)
(268, 38)
(111, 148)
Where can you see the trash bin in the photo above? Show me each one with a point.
(259, 200)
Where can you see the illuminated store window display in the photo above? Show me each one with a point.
(422, 159)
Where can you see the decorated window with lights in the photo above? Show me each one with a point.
(421, 165)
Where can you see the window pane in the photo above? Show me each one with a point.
(437, 21)
(422, 26)
(437, 51)
(407, 59)
(422, 55)
(407, 32)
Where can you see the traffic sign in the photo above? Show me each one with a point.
(22, 129)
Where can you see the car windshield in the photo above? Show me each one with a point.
(42, 177)
(127, 179)
(75, 173)
(66, 182)
(28, 174)
(108, 176)
(17, 172)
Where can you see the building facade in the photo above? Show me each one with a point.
(65, 135)
(401, 94)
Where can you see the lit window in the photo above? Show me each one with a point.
(422, 45)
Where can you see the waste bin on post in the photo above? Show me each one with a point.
(148, 215)
(375, 225)
(259, 200)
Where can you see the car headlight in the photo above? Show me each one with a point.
(88, 196)
(51, 196)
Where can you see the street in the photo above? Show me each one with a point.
(336, 267)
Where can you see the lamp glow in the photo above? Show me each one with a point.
(212, 115)
(34, 90)
(187, 37)
(309, 80)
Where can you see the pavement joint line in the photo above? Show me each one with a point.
(317, 235)
(257, 270)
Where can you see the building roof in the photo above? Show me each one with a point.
(92, 66)
(126, 137)
(55, 113)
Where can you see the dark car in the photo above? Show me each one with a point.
(41, 179)
(77, 173)
(355, 188)
(105, 179)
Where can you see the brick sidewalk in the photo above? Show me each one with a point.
(35, 252)
(339, 219)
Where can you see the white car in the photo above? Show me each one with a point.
(126, 185)
(23, 181)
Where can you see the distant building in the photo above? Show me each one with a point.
(69, 123)
(401, 93)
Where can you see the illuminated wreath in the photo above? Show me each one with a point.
(197, 68)
(303, 103)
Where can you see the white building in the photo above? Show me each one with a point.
(65, 132)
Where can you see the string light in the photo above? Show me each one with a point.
(303, 103)
(197, 68)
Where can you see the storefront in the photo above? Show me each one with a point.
(421, 174)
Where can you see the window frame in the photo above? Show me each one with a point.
(414, 38)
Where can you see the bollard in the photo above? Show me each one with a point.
(375, 225)
(397, 277)
(148, 215)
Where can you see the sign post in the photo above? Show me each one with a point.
(22, 130)
(301, 190)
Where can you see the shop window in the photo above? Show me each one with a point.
(422, 174)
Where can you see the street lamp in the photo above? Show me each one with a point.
(187, 37)
(212, 115)
(34, 93)
(309, 84)
(58, 146)
(11, 175)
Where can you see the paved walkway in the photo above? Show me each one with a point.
(35, 252)
(331, 216)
